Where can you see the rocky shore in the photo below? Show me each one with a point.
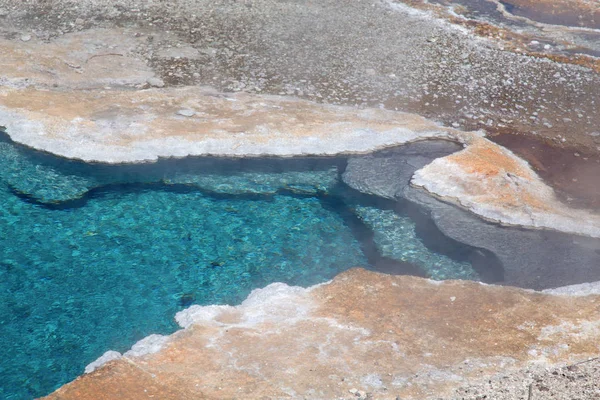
(129, 81)
(364, 335)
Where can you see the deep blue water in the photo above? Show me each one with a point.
(96, 257)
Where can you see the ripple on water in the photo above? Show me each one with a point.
(76, 282)
(86, 267)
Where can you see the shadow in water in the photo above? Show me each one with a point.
(487, 266)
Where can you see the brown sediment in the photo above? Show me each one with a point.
(518, 42)
(565, 13)
(576, 59)
(557, 12)
(574, 173)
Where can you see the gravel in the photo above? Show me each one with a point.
(579, 381)
(364, 53)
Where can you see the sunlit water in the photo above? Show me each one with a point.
(95, 257)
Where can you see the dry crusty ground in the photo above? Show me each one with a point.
(579, 381)
(573, 382)
(364, 53)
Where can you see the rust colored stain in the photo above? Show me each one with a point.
(514, 41)
(565, 12)
(492, 172)
(482, 158)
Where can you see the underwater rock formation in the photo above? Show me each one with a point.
(530, 258)
(396, 237)
(50, 180)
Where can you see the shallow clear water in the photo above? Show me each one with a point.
(396, 237)
(94, 257)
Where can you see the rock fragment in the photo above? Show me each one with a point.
(186, 112)
(156, 82)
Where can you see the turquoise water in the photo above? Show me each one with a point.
(396, 237)
(96, 257)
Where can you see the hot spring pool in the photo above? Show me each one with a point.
(96, 257)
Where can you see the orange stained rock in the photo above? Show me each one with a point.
(486, 158)
(495, 176)
(149, 114)
(387, 335)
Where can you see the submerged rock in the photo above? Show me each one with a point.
(51, 180)
(302, 182)
(386, 173)
(43, 183)
(530, 258)
(396, 238)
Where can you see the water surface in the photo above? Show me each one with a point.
(96, 257)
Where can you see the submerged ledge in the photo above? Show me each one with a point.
(135, 126)
(372, 323)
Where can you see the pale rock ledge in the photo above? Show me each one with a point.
(80, 98)
(366, 332)
(494, 183)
